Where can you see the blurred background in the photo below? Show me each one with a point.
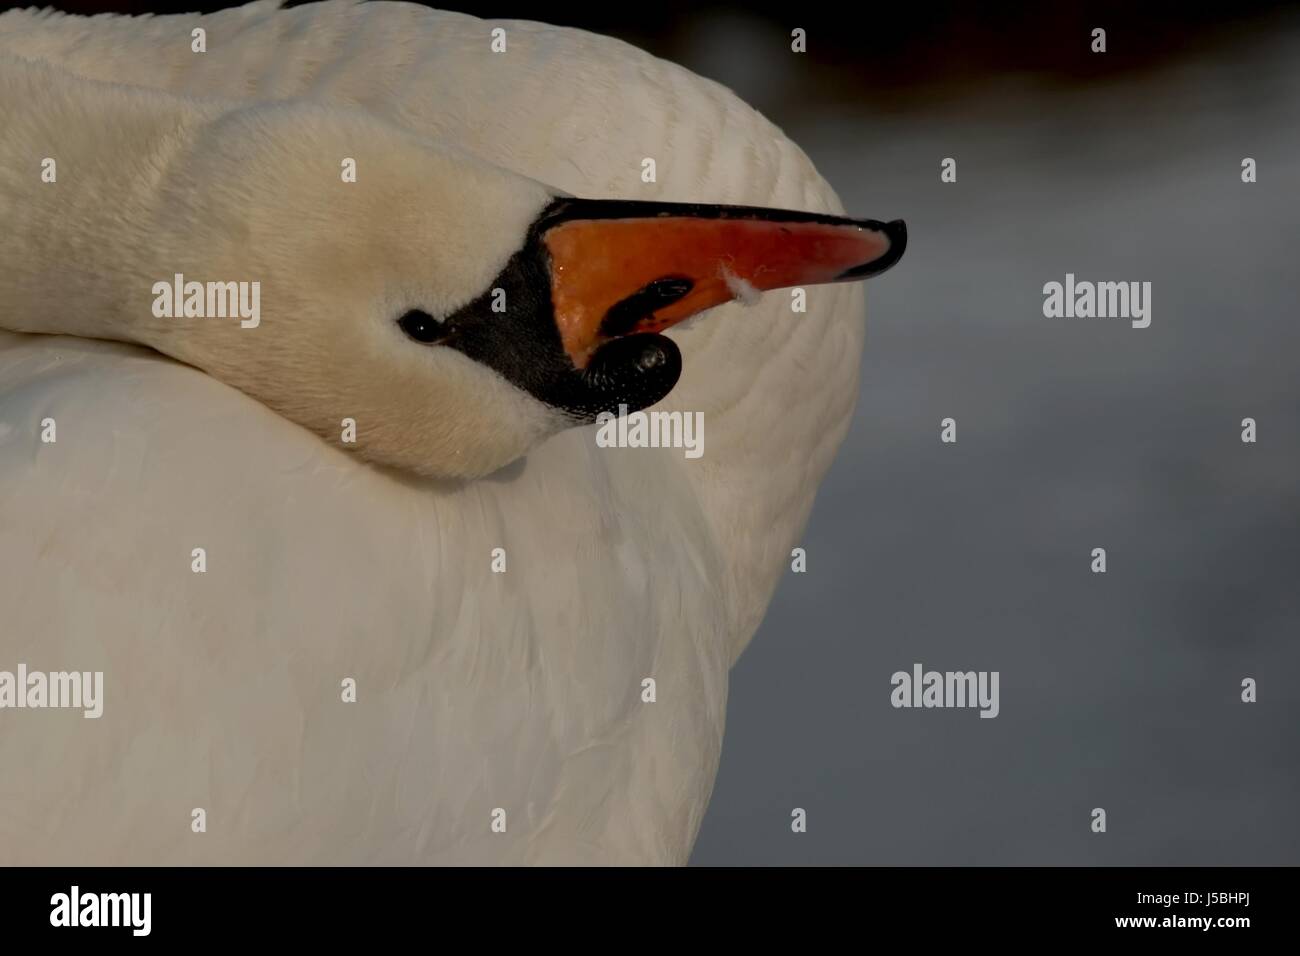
(1120, 690)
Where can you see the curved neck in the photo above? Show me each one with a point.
(79, 165)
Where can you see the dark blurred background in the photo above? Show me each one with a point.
(1119, 690)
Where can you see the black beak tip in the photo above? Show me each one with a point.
(897, 233)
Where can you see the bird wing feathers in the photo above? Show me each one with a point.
(476, 691)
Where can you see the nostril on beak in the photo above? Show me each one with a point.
(623, 317)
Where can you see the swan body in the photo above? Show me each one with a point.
(482, 695)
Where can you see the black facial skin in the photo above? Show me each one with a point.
(523, 345)
(523, 342)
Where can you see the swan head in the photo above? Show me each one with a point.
(438, 314)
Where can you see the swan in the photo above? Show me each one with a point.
(493, 592)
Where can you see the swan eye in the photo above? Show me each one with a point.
(422, 327)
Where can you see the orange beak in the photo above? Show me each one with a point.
(619, 268)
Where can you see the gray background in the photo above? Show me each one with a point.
(1120, 690)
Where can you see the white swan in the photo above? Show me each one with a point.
(483, 698)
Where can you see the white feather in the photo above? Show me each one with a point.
(741, 288)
